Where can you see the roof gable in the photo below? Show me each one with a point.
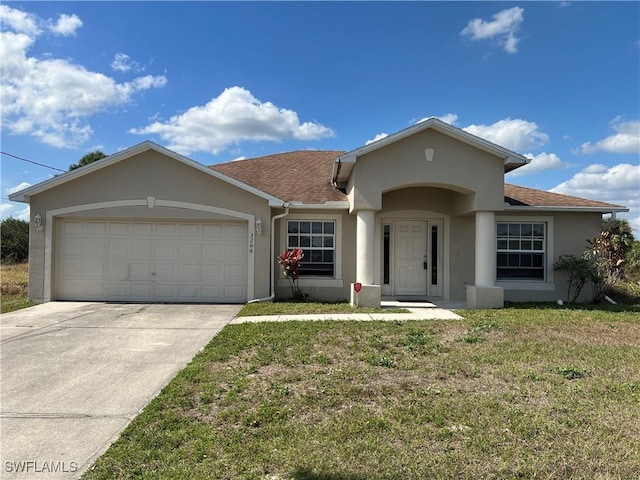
(24, 195)
(344, 164)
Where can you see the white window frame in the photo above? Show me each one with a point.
(304, 281)
(548, 282)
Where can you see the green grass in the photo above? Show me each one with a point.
(540, 393)
(308, 308)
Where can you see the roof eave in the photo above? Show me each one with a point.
(329, 205)
(27, 193)
(558, 208)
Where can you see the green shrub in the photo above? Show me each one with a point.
(15, 240)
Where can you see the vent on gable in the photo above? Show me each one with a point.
(428, 154)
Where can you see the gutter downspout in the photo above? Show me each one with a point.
(273, 254)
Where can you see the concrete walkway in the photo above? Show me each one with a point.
(417, 311)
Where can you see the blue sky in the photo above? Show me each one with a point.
(556, 81)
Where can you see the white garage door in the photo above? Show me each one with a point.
(151, 261)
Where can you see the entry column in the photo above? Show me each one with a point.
(484, 294)
(368, 294)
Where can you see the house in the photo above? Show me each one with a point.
(423, 213)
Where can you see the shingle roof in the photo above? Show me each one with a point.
(300, 176)
(524, 196)
(305, 176)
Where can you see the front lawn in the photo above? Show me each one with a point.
(512, 393)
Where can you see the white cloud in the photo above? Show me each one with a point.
(539, 163)
(5, 210)
(123, 63)
(51, 99)
(618, 184)
(450, 118)
(234, 116)
(23, 214)
(19, 21)
(67, 25)
(502, 28)
(17, 188)
(514, 134)
(625, 140)
(379, 136)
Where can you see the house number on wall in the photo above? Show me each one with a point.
(251, 243)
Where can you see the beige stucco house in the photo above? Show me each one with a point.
(421, 214)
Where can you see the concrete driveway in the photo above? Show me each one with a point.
(73, 375)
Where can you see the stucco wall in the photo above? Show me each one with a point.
(148, 174)
(348, 256)
(571, 231)
(455, 166)
(463, 256)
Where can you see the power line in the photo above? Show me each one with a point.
(31, 161)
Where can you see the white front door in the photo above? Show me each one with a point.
(417, 257)
(410, 257)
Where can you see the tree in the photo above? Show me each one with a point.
(87, 159)
(609, 250)
(14, 235)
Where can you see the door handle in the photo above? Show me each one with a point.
(424, 264)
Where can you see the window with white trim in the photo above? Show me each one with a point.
(521, 251)
(317, 238)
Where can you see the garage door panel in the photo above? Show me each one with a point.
(119, 248)
(235, 272)
(234, 252)
(234, 231)
(119, 229)
(166, 230)
(189, 292)
(142, 229)
(118, 271)
(189, 230)
(142, 249)
(164, 249)
(140, 271)
(165, 291)
(189, 251)
(96, 228)
(234, 291)
(164, 271)
(94, 248)
(119, 291)
(74, 246)
(188, 272)
(151, 261)
(143, 291)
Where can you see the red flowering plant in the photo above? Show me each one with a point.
(290, 261)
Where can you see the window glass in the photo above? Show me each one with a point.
(521, 251)
(317, 240)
